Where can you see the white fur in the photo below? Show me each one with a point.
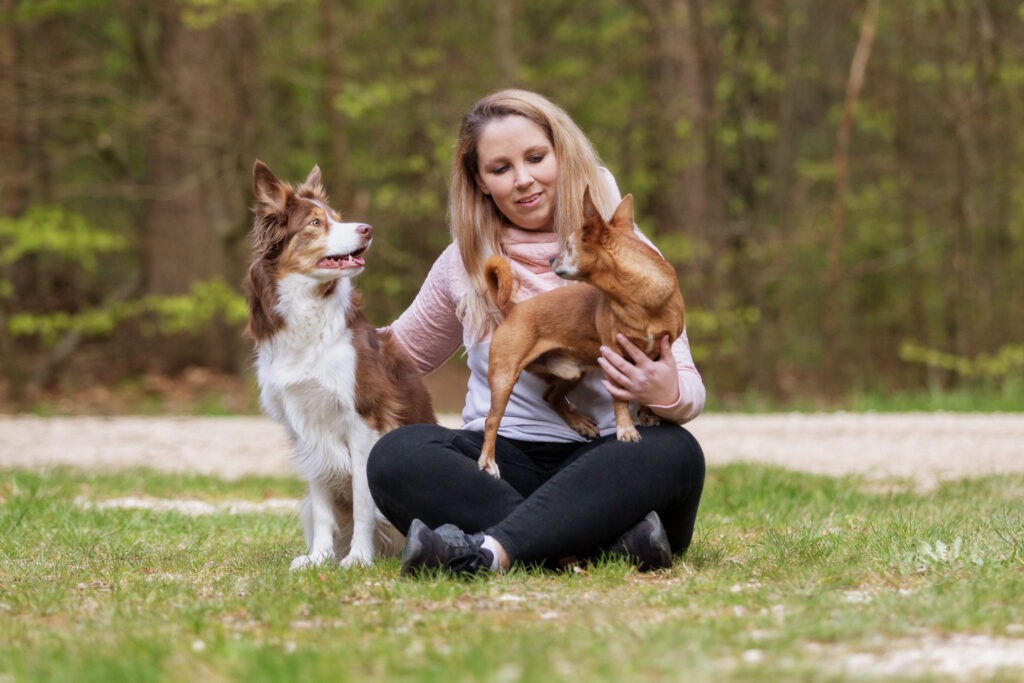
(306, 373)
(567, 264)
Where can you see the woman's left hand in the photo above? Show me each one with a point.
(646, 381)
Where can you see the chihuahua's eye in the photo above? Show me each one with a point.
(315, 221)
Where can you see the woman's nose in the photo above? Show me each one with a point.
(523, 178)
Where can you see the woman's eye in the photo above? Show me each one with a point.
(499, 170)
(536, 158)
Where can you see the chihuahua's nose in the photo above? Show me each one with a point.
(364, 230)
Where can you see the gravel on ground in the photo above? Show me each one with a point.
(925, 448)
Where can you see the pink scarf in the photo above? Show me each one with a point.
(530, 253)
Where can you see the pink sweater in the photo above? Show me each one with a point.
(430, 329)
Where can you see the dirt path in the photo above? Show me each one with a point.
(927, 448)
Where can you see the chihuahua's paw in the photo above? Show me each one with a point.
(627, 434)
(582, 425)
(489, 466)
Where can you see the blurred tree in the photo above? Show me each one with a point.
(814, 239)
(200, 138)
(834, 273)
(12, 180)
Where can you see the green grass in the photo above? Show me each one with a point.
(789, 576)
(1006, 398)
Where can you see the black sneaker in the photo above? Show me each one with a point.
(446, 548)
(646, 544)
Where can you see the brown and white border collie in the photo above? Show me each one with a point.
(324, 372)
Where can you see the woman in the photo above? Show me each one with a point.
(520, 169)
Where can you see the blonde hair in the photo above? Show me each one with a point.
(475, 221)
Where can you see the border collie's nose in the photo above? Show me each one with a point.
(364, 230)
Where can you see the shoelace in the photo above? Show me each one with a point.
(465, 556)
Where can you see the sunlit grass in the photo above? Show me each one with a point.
(789, 576)
(1007, 398)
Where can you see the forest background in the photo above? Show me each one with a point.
(839, 184)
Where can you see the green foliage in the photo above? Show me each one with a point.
(720, 333)
(164, 314)
(54, 231)
(201, 304)
(59, 235)
(47, 9)
(1007, 362)
(202, 14)
(721, 123)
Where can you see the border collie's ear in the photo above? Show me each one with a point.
(314, 176)
(313, 186)
(260, 294)
(270, 192)
(623, 216)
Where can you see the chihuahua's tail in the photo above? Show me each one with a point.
(500, 282)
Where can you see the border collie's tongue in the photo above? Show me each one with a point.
(341, 262)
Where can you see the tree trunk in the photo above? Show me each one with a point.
(833, 267)
(200, 187)
(679, 129)
(783, 175)
(504, 24)
(914, 282)
(12, 182)
(336, 169)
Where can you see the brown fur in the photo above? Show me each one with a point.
(279, 212)
(627, 288)
(301, 358)
(390, 390)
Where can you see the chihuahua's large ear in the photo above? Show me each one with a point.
(270, 192)
(623, 216)
(589, 210)
(593, 227)
(313, 187)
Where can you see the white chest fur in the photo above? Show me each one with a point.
(307, 374)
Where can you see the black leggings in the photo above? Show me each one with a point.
(554, 500)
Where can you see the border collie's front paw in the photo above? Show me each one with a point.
(357, 559)
(312, 560)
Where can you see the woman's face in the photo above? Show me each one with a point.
(518, 169)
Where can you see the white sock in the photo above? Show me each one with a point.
(491, 546)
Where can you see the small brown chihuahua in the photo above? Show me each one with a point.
(625, 286)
